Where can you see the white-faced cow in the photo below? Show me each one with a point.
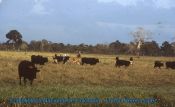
(125, 63)
(60, 58)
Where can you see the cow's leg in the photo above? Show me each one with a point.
(19, 80)
(25, 81)
(56, 62)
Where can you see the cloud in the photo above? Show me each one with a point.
(39, 7)
(123, 2)
(167, 4)
(164, 3)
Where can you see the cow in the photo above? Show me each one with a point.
(27, 70)
(158, 64)
(60, 58)
(75, 60)
(38, 59)
(91, 61)
(125, 63)
(170, 64)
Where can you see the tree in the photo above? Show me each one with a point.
(140, 36)
(100, 48)
(46, 45)
(118, 48)
(24, 46)
(14, 37)
(55, 47)
(35, 45)
(173, 45)
(132, 48)
(167, 49)
(150, 49)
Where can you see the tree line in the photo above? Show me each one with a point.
(147, 48)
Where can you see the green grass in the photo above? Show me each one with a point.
(101, 81)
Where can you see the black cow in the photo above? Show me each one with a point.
(125, 63)
(39, 59)
(91, 61)
(63, 59)
(158, 64)
(27, 70)
(170, 64)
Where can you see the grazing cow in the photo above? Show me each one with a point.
(39, 59)
(27, 70)
(158, 64)
(91, 61)
(170, 64)
(75, 60)
(123, 62)
(63, 59)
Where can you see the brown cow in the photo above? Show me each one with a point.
(27, 70)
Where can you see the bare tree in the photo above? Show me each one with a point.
(140, 36)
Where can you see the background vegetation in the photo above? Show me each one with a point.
(148, 47)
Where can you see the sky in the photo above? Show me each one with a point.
(87, 21)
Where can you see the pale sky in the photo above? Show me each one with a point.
(87, 21)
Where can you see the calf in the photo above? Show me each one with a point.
(63, 59)
(158, 64)
(170, 64)
(76, 60)
(91, 61)
(38, 59)
(125, 63)
(27, 70)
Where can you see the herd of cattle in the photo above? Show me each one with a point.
(168, 64)
(28, 69)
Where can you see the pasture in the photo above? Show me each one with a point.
(103, 80)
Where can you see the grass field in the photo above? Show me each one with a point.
(101, 81)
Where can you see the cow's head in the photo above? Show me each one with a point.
(44, 60)
(67, 57)
(117, 58)
(131, 58)
(33, 68)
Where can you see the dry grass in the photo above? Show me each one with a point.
(76, 81)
